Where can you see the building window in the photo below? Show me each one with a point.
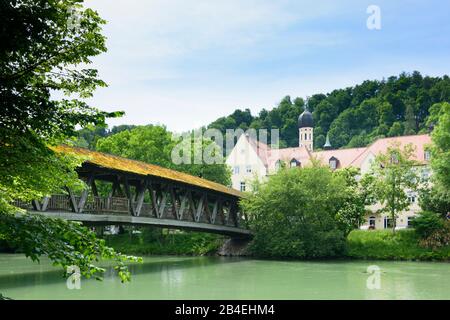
(427, 155)
(248, 169)
(242, 186)
(305, 137)
(278, 165)
(294, 163)
(394, 159)
(388, 223)
(425, 174)
(372, 220)
(236, 170)
(411, 197)
(410, 222)
(333, 163)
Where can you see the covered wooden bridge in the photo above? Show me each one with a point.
(144, 194)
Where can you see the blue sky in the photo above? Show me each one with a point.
(184, 63)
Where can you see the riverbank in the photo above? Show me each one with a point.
(384, 245)
(177, 243)
(374, 244)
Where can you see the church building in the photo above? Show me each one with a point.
(252, 159)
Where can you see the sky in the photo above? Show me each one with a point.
(185, 63)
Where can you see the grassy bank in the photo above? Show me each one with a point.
(183, 243)
(383, 244)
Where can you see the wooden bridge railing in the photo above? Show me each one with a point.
(202, 211)
(143, 196)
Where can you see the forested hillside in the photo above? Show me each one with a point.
(353, 116)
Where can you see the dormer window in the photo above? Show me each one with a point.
(278, 165)
(294, 163)
(333, 163)
(427, 155)
(394, 159)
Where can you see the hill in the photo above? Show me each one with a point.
(353, 116)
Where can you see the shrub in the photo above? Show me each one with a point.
(294, 214)
(438, 238)
(427, 223)
(383, 244)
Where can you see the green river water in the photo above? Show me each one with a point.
(231, 278)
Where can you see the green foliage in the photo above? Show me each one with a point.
(151, 144)
(438, 238)
(88, 136)
(29, 170)
(294, 214)
(154, 144)
(440, 150)
(435, 199)
(356, 196)
(395, 106)
(65, 243)
(284, 117)
(426, 223)
(383, 244)
(410, 121)
(39, 56)
(154, 241)
(395, 175)
(396, 129)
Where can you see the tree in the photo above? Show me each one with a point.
(395, 175)
(410, 121)
(440, 149)
(357, 141)
(358, 194)
(396, 129)
(294, 214)
(371, 107)
(385, 114)
(42, 53)
(151, 144)
(154, 144)
(87, 137)
(437, 197)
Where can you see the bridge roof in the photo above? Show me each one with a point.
(145, 169)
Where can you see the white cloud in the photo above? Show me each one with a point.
(185, 63)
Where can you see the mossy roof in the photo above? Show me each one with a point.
(144, 169)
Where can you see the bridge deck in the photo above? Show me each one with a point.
(114, 219)
(137, 193)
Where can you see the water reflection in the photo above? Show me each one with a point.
(228, 278)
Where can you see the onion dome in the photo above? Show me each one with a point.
(305, 120)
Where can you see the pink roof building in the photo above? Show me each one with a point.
(344, 157)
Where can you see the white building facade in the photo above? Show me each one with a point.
(252, 159)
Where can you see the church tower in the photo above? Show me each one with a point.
(306, 130)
